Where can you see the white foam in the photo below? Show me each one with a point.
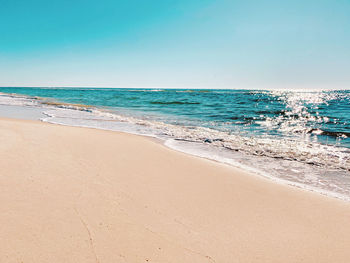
(283, 160)
(15, 100)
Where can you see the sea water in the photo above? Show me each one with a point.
(297, 137)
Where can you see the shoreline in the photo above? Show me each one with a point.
(245, 169)
(252, 171)
(89, 195)
(312, 183)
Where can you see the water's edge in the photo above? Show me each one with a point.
(94, 117)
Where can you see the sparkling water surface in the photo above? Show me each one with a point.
(302, 137)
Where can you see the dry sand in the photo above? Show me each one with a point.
(83, 195)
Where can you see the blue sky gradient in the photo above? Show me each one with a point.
(175, 43)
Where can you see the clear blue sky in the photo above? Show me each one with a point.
(175, 43)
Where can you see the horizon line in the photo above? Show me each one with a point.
(294, 88)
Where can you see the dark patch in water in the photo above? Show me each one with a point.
(330, 133)
(173, 102)
(271, 112)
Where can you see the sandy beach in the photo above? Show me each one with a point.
(84, 195)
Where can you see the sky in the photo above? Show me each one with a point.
(175, 43)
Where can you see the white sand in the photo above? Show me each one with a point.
(83, 195)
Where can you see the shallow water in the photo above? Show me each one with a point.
(302, 138)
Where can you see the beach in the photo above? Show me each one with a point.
(72, 194)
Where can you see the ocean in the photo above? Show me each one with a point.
(301, 138)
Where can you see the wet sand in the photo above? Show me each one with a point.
(73, 194)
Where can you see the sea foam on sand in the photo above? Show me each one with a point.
(73, 194)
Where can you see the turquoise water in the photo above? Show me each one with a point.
(323, 116)
(301, 137)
